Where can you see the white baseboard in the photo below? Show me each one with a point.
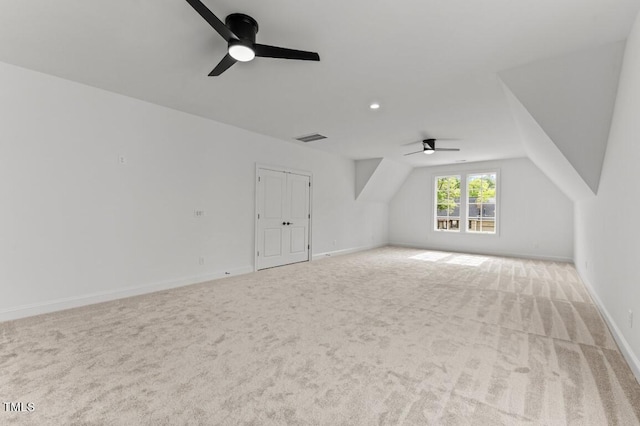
(106, 296)
(624, 346)
(324, 255)
(486, 253)
(121, 293)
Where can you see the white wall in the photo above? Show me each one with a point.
(607, 229)
(76, 226)
(535, 217)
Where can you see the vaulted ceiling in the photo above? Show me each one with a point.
(433, 65)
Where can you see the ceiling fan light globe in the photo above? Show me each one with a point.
(241, 53)
(428, 151)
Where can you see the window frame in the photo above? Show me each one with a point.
(464, 201)
(435, 201)
(495, 203)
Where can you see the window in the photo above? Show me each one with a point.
(480, 203)
(448, 203)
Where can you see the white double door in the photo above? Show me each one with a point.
(283, 218)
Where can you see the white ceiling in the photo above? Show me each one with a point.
(432, 64)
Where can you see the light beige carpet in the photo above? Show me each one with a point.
(390, 336)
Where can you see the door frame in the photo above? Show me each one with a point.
(255, 206)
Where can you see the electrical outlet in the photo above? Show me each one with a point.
(122, 159)
(334, 242)
(198, 213)
(630, 318)
(201, 260)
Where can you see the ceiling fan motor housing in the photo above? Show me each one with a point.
(429, 144)
(243, 26)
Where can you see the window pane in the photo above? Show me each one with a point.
(488, 226)
(481, 202)
(488, 210)
(447, 203)
(448, 223)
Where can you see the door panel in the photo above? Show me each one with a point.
(283, 218)
(272, 190)
(273, 201)
(298, 240)
(298, 213)
(272, 242)
(299, 197)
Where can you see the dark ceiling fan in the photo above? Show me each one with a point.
(240, 31)
(429, 147)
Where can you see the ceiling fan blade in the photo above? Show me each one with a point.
(212, 19)
(265, 51)
(447, 149)
(411, 143)
(223, 65)
(417, 152)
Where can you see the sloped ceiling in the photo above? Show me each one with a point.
(432, 64)
(378, 179)
(364, 170)
(571, 98)
(544, 153)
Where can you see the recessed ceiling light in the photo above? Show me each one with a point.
(460, 161)
(374, 105)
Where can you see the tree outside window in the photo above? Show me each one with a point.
(448, 203)
(481, 202)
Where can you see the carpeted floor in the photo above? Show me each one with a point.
(389, 336)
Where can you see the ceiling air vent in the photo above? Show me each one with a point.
(311, 138)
